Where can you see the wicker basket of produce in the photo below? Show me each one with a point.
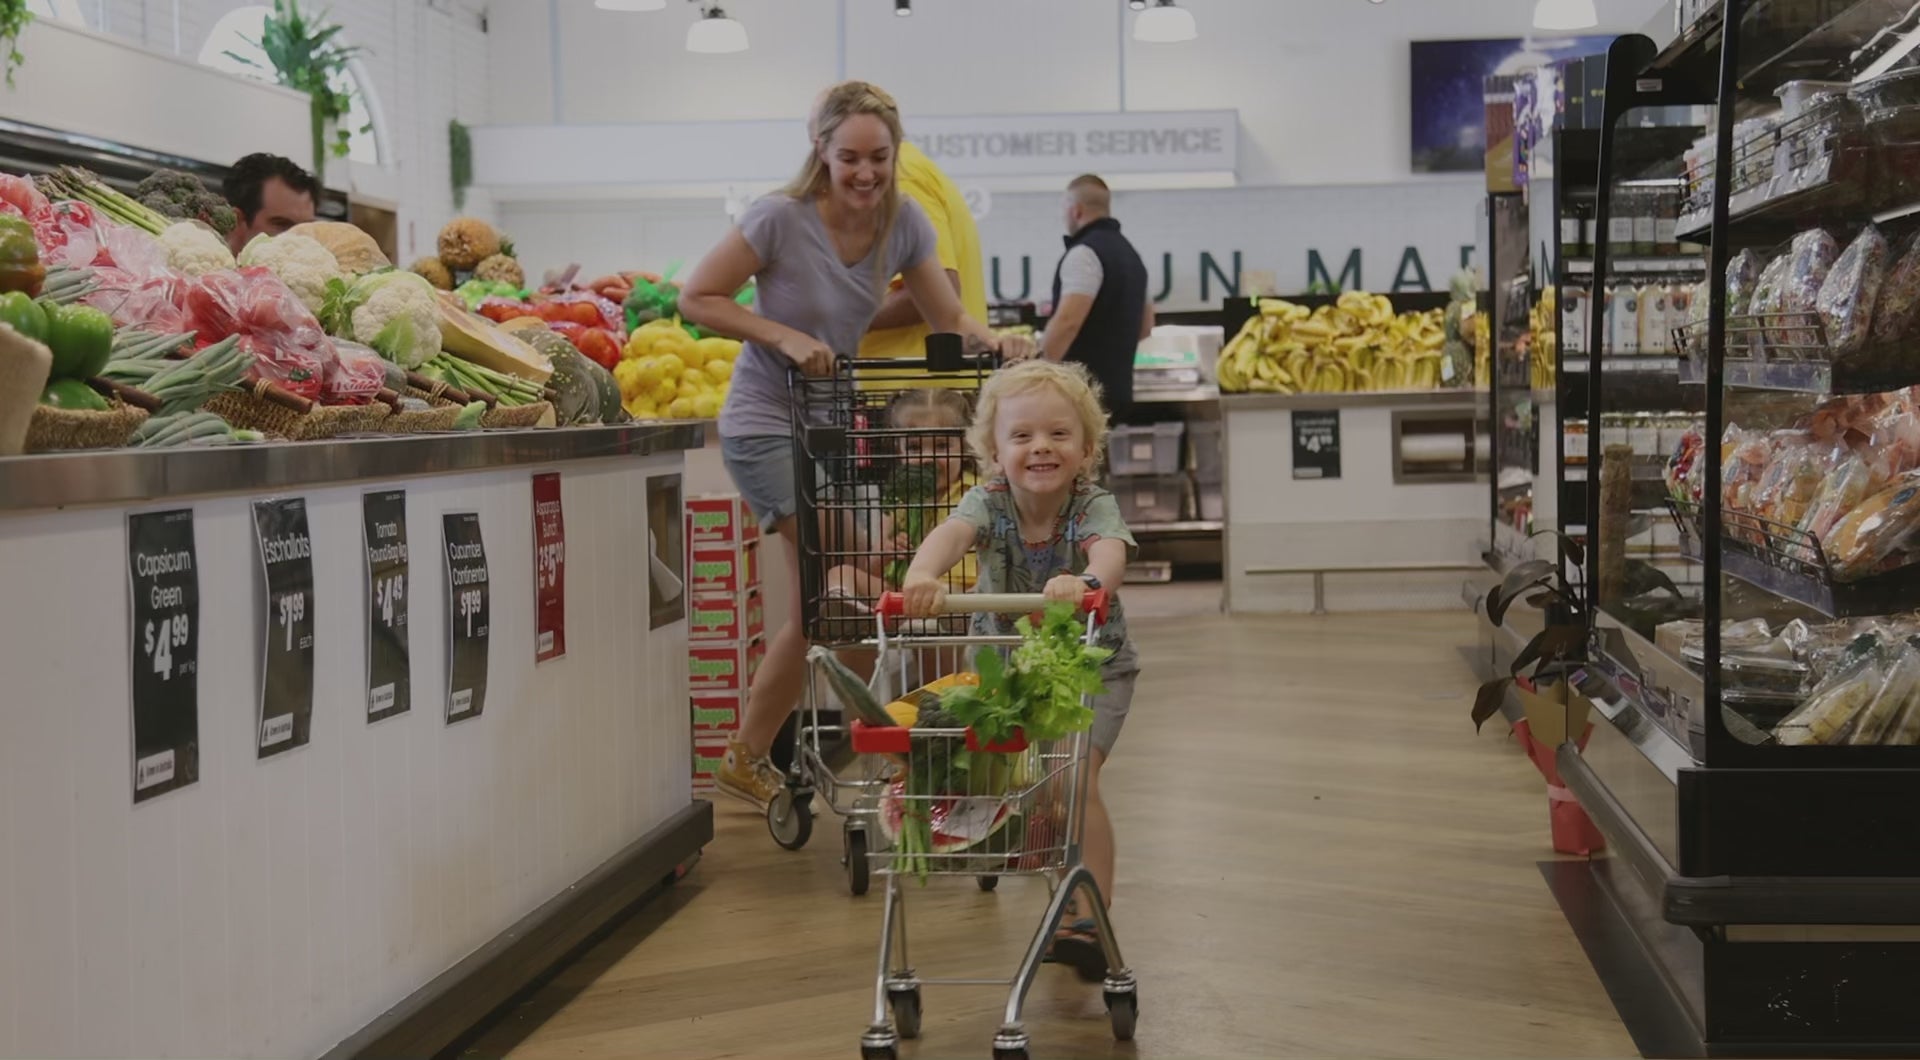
(57, 429)
(443, 408)
(534, 414)
(270, 410)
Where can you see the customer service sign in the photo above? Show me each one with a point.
(1199, 141)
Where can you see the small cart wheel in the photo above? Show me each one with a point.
(987, 883)
(906, 1011)
(790, 819)
(1009, 1054)
(858, 869)
(1124, 1010)
(879, 1052)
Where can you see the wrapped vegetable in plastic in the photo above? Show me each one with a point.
(1873, 532)
(1898, 309)
(355, 376)
(1843, 489)
(1892, 702)
(1813, 255)
(1847, 298)
(1769, 292)
(1743, 456)
(1743, 274)
(1829, 713)
(1791, 480)
(1685, 474)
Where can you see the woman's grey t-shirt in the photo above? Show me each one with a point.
(802, 284)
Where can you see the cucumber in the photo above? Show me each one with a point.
(72, 394)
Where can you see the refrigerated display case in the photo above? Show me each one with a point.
(1756, 769)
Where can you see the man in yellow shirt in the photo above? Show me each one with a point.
(898, 330)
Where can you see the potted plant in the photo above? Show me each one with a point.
(305, 54)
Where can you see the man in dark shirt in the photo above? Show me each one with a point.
(270, 194)
(1100, 306)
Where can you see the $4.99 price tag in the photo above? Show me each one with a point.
(287, 635)
(163, 577)
(549, 569)
(389, 669)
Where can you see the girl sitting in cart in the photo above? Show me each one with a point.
(1040, 524)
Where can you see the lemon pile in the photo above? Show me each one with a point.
(665, 373)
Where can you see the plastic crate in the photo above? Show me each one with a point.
(1153, 449)
(1149, 499)
(1203, 438)
(1213, 502)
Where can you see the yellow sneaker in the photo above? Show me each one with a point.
(746, 777)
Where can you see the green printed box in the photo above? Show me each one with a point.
(720, 520)
(726, 617)
(723, 571)
(723, 667)
(718, 712)
(709, 750)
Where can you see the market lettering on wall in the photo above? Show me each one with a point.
(1219, 281)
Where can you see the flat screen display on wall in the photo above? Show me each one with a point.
(1448, 82)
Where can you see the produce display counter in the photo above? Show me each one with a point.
(1361, 501)
(328, 747)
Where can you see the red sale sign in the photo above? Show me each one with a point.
(549, 569)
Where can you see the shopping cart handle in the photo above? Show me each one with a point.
(1093, 602)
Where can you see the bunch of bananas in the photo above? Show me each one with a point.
(1357, 344)
(1543, 322)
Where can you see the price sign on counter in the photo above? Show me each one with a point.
(468, 612)
(163, 577)
(389, 671)
(549, 569)
(1316, 443)
(286, 649)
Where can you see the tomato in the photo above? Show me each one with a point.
(551, 312)
(569, 331)
(81, 338)
(24, 315)
(600, 347)
(585, 314)
(501, 310)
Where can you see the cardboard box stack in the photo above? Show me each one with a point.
(726, 623)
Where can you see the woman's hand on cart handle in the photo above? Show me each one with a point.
(936, 601)
(1017, 347)
(808, 353)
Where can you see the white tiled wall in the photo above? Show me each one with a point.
(277, 906)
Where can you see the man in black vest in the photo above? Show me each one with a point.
(1100, 305)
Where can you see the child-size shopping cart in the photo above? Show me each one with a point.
(952, 806)
(872, 477)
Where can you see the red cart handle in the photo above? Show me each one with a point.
(1093, 602)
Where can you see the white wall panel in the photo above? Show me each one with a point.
(276, 906)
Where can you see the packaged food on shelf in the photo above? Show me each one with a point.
(1899, 302)
(1795, 96)
(1743, 276)
(1791, 479)
(1769, 300)
(1833, 706)
(1846, 300)
(1872, 533)
(1891, 701)
(1811, 259)
(1890, 104)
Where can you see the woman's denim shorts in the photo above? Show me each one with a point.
(761, 467)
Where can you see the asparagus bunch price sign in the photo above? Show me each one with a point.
(287, 632)
(468, 615)
(549, 569)
(389, 666)
(163, 578)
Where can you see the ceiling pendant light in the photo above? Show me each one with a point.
(903, 8)
(631, 5)
(1137, 5)
(1164, 24)
(715, 33)
(1565, 14)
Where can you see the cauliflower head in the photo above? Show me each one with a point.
(301, 263)
(195, 250)
(399, 315)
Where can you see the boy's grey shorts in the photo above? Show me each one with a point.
(1110, 707)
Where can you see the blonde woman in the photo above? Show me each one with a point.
(821, 253)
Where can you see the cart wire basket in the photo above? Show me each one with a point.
(953, 805)
(877, 465)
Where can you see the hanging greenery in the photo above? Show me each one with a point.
(14, 17)
(460, 159)
(305, 54)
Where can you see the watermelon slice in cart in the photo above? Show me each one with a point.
(958, 821)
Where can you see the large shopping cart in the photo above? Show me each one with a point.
(955, 807)
(871, 480)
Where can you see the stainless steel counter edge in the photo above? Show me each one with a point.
(1377, 399)
(134, 476)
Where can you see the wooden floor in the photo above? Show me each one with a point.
(1318, 857)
